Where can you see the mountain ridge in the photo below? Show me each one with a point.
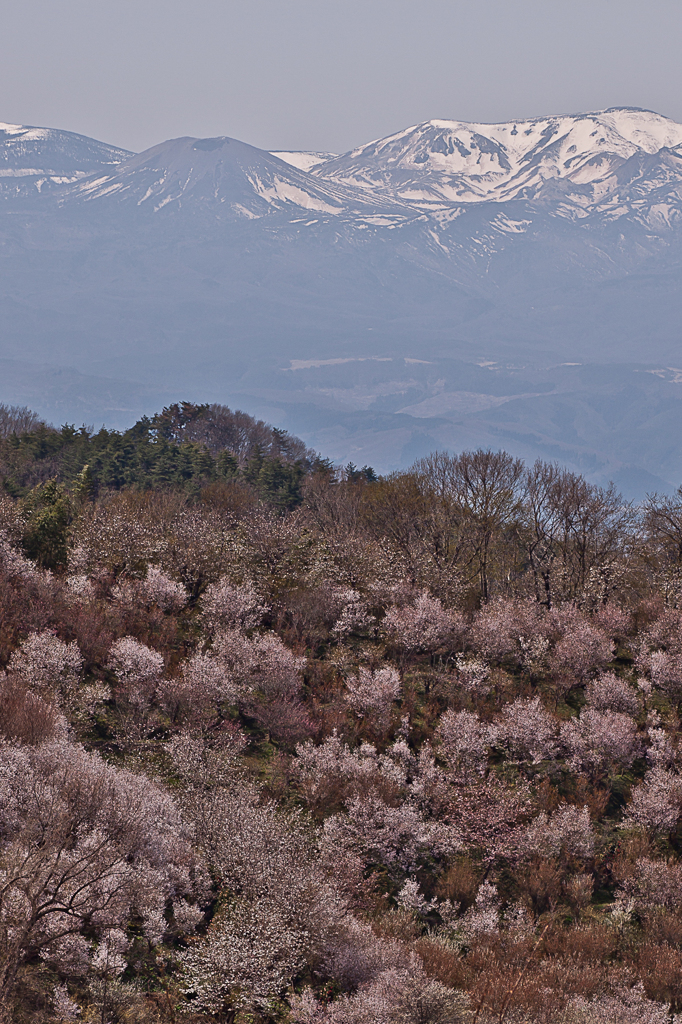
(209, 268)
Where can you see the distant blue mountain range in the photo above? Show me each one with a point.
(449, 286)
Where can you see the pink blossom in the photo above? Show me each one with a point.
(473, 674)
(583, 649)
(656, 803)
(529, 730)
(354, 619)
(465, 739)
(161, 590)
(398, 837)
(483, 918)
(613, 621)
(195, 695)
(609, 693)
(259, 663)
(396, 996)
(228, 606)
(422, 626)
(47, 664)
(653, 883)
(135, 664)
(82, 845)
(625, 1006)
(490, 816)
(510, 629)
(567, 830)
(354, 955)
(372, 694)
(600, 740)
(65, 1007)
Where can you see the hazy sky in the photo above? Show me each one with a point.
(327, 74)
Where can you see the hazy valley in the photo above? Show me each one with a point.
(452, 285)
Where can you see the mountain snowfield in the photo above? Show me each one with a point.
(455, 162)
(46, 157)
(514, 285)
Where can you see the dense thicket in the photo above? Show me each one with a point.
(397, 751)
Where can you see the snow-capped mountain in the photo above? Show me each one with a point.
(453, 162)
(37, 159)
(223, 175)
(615, 162)
(435, 288)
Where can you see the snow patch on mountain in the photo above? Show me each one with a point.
(304, 160)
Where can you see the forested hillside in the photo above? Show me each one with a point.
(288, 743)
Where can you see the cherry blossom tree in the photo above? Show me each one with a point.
(656, 803)
(625, 1006)
(277, 907)
(483, 917)
(371, 695)
(583, 649)
(508, 629)
(600, 741)
(260, 663)
(651, 885)
(333, 772)
(529, 731)
(609, 693)
(138, 670)
(354, 619)
(397, 996)
(194, 697)
(423, 626)
(47, 665)
(81, 843)
(568, 830)
(396, 837)
(473, 674)
(156, 588)
(466, 740)
(228, 606)
(136, 666)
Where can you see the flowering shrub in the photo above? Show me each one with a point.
(665, 670)
(483, 917)
(249, 955)
(81, 586)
